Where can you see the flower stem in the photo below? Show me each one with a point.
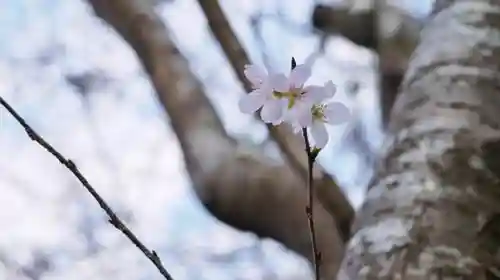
(311, 158)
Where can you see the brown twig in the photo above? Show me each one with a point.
(309, 208)
(311, 158)
(70, 165)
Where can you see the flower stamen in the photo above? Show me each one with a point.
(318, 112)
(291, 96)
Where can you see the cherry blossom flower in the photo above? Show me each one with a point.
(333, 113)
(255, 74)
(300, 112)
(314, 113)
(292, 87)
(262, 96)
(286, 98)
(285, 91)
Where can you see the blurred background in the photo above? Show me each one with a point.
(82, 87)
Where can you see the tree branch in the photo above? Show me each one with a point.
(364, 27)
(310, 203)
(70, 165)
(241, 187)
(327, 190)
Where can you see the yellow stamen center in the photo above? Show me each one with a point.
(291, 95)
(318, 112)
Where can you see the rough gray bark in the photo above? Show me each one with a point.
(240, 187)
(433, 210)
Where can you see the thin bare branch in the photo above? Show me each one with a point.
(71, 166)
(311, 157)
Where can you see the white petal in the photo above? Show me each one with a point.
(300, 75)
(251, 102)
(279, 82)
(310, 59)
(319, 134)
(304, 117)
(315, 94)
(337, 113)
(272, 111)
(301, 114)
(266, 88)
(330, 89)
(255, 74)
(296, 128)
(282, 118)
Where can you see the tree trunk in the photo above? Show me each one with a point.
(433, 210)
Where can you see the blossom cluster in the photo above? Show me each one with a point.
(283, 98)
